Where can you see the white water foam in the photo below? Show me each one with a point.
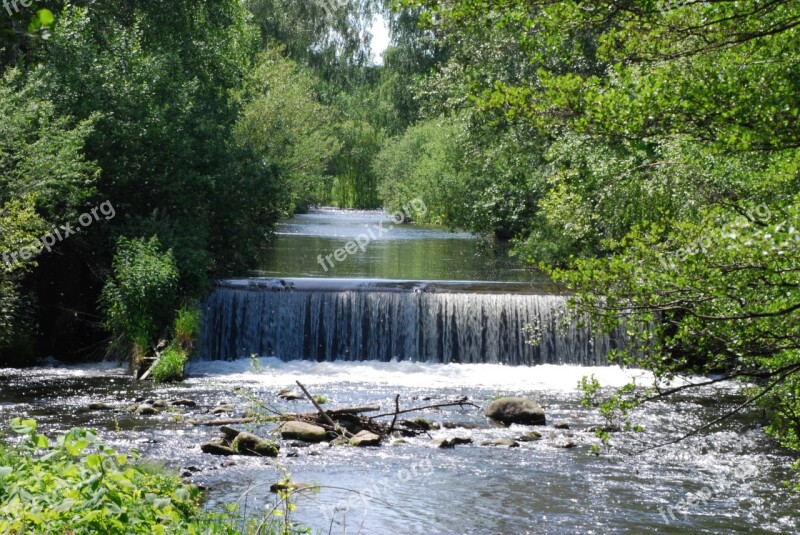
(274, 372)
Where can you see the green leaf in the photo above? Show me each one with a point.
(5, 471)
(46, 17)
(23, 427)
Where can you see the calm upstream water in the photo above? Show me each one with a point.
(728, 480)
(409, 252)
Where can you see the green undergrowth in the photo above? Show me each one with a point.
(77, 485)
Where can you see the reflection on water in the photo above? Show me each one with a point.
(396, 252)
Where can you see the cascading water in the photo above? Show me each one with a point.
(357, 320)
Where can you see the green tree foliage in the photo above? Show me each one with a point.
(424, 163)
(45, 180)
(283, 121)
(668, 180)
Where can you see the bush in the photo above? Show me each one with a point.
(139, 299)
(80, 486)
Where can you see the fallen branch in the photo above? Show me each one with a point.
(229, 421)
(324, 414)
(437, 406)
(396, 412)
(146, 374)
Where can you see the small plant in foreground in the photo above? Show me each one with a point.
(80, 486)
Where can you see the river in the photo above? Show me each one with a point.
(727, 480)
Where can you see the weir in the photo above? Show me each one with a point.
(383, 320)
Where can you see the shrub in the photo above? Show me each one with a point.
(80, 486)
(139, 299)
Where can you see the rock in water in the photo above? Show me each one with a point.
(98, 406)
(183, 403)
(146, 410)
(296, 430)
(443, 443)
(216, 447)
(250, 444)
(225, 408)
(522, 411)
(531, 436)
(501, 442)
(365, 438)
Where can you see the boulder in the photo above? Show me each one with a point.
(217, 447)
(290, 395)
(561, 425)
(250, 444)
(365, 438)
(522, 411)
(160, 404)
(296, 430)
(339, 441)
(501, 442)
(457, 441)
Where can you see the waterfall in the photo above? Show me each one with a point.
(354, 320)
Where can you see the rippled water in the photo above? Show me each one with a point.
(413, 488)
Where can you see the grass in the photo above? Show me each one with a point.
(170, 366)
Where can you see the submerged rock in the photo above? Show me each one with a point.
(183, 403)
(530, 436)
(501, 442)
(290, 395)
(296, 430)
(224, 408)
(421, 424)
(565, 445)
(99, 406)
(561, 425)
(515, 410)
(443, 443)
(365, 438)
(462, 425)
(283, 486)
(146, 410)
